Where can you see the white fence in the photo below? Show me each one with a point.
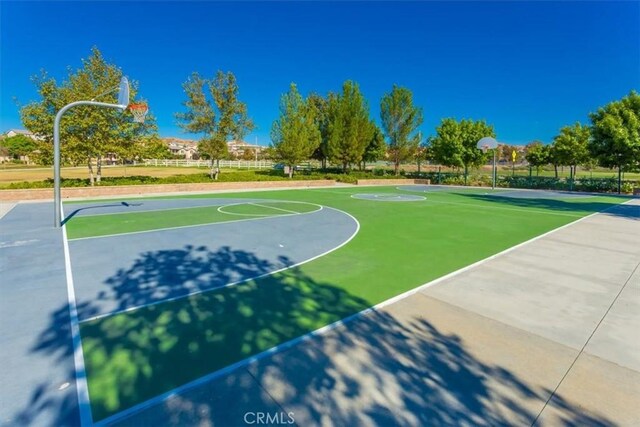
(238, 164)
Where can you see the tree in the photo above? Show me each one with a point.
(321, 105)
(446, 146)
(86, 132)
(455, 143)
(220, 116)
(400, 121)
(537, 155)
(295, 134)
(19, 145)
(348, 126)
(615, 131)
(249, 154)
(570, 147)
(376, 148)
(421, 154)
(151, 147)
(506, 152)
(472, 132)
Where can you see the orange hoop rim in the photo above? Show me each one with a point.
(138, 106)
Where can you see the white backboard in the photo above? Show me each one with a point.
(123, 93)
(488, 142)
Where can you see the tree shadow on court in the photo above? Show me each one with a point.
(158, 276)
(112, 205)
(578, 206)
(379, 369)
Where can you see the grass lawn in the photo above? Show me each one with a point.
(136, 355)
(40, 173)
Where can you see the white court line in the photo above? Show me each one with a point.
(220, 209)
(5, 208)
(228, 285)
(144, 211)
(273, 207)
(82, 389)
(199, 225)
(321, 331)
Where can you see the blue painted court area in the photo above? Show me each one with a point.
(38, 374)
(36, 332)
(99, 264)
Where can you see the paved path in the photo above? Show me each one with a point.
(545, 334)
(36, 357)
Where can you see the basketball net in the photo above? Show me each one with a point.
(139, 112)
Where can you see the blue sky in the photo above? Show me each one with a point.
(528, 68)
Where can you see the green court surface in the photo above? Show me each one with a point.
(106, 225)
(133, 356)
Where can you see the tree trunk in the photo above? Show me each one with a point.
(99, 169)
(290, 172)
(619, 179)
(418, 167)
(90, 166)
(466, 169)
(396, 167)
(555, 167)
(211, 169)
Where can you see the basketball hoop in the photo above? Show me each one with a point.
(485, 148)
(139, 111)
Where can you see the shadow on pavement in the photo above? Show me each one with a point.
(77, 211)
(625, 211)
(407, 373)
(382, 371)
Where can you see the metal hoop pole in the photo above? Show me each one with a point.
(57, 199)
(493, 186)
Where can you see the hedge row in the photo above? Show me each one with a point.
(596, 185)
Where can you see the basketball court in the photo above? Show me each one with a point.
(183, 309)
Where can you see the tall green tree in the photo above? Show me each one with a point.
(19, 145)
(554, 158)
(455, 143)
(376, 148)
(400, 122)
(537, 154)
(295, 134)
(615, 131)
(213, 109)
(570, 147)
(87, 133)
(321, 105)
(349, 127)
(151, 147)
(446, 145)
(472, 131)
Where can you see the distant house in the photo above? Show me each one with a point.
(15, 132)
(237, 148)
(184, 148)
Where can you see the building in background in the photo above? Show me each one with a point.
(237, 149)
(16, 132)
(182, 148)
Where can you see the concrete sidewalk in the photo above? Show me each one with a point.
(37, 370)
(545, 334)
